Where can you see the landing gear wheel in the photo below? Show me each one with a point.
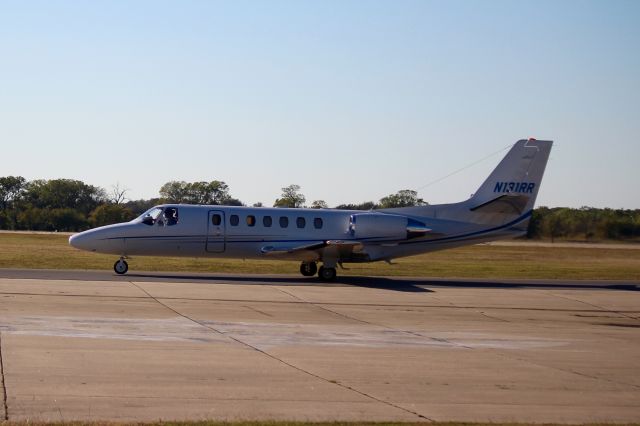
(308, 269)
(121, 267)
(327, 274)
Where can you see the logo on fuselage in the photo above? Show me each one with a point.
(518, 187)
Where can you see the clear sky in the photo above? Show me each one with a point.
(352, 100)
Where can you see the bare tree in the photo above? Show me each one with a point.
(118, 194)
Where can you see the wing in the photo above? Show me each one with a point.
(314, 250)
(282, 249)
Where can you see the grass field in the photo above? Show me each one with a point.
(285, 423)
(51, 251)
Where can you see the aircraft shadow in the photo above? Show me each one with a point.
(402, 284)
(382, 283)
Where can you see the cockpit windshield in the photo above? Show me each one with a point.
(150, 216)
(159, 216)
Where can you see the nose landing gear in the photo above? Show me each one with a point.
(121, 266)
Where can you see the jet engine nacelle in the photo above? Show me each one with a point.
(387, 226)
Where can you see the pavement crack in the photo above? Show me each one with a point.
(282, 361)
(386, 327)
(577, 373)
(492, 317)
(251, 308)
(567, 370)
(4, 384)
(603, 309)
(316, 305)
(350, 304)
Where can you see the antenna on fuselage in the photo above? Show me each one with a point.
(433, 182)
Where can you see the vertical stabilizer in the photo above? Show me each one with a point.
(516, 180)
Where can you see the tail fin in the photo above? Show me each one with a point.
(516, 180)
(508, 194)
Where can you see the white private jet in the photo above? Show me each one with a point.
(501, 208)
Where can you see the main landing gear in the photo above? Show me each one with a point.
(325, 273)
(121, 266)
(308, 269)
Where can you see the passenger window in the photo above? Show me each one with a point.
(251, 220)
(171, 216)
(300, 222)
(284, 221)
(267, 221)
(317, 223)
(234, 220)
(216, 219)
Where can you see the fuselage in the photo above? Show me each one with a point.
(250, 233)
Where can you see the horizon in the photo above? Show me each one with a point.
(307, 202)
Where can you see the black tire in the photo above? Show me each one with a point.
(308, 269)
(121, 267)
(327, 274)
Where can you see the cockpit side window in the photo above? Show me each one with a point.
(171, 216)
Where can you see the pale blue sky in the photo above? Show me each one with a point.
(352, 100)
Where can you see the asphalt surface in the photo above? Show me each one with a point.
(91, 345)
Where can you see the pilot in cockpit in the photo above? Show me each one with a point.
(171, 216)
(160, 216)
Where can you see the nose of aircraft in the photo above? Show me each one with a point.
(81, 240)
(106, 239)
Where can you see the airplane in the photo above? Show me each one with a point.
(500, 208)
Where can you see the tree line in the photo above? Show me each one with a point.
(584, 224)
(72, 205)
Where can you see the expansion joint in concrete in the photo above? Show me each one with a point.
(324, 308)
(351, 318)
(613, 311)
(280, 360)
(4, 384)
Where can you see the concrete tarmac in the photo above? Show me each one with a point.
(89, 345)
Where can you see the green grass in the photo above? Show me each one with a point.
(290, 423)
(51, 251)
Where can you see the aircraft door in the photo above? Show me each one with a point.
(215, 232)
